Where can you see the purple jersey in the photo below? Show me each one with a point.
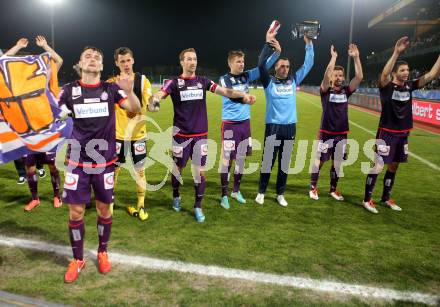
(93, 113)
(396, 101)
(335, 110)
(189, 102)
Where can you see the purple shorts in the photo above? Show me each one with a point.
(236, 139)
(395, 148)
(42, 158)
(185, 147)
(77, 184)
(331, 146)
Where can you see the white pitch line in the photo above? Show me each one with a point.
(215, 271)
(423, 160)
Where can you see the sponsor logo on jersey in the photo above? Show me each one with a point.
(71, 181)
(323, 147)
(140, 148)
(383, 150)
(241, 87)
(338, 98)
(109, 180)
(401, 96)
(118, 147)
(91, 110)
(204, 149)
(191, 95)
(283, 89)
(228, 145)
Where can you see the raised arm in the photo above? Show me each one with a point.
(400, 46)
(132, 103)
(254, 73)
(41, 42)
(21, 43)
(353, 52)
(302, 72)
(268, 49)
(325, 84)
(431, 75)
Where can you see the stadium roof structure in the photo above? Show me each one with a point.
(421, 15)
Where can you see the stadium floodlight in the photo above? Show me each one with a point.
(52, 4)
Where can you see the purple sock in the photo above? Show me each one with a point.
(104, 226)
(32, 180)
(237, 181)
(55, 179)
(224, 179)
(199, 191)
(369, 186)
(388, 182)
(314, 179)
(333, 179)
(175, 184)
(76, 234)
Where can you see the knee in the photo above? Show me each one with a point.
(103, 210)
(53, 168)
(393, 167)
(76, 212)
(31, 169)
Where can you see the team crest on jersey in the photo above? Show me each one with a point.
(178, 151)
(199, 85)
(232, 80)
(180, 83)
(76, 92)
(109, 180)
(71, 181)
(243, 79)
(104, 96)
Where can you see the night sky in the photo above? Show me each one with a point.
(158, 30)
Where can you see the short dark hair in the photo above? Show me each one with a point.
(235, 53)
(282, 58)
(94, 49)
(398, 64)
(338, 67)
(122, 51)
(182, 53)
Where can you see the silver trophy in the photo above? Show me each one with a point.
(309, 28)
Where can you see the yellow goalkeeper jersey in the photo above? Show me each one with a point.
(138, 131)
